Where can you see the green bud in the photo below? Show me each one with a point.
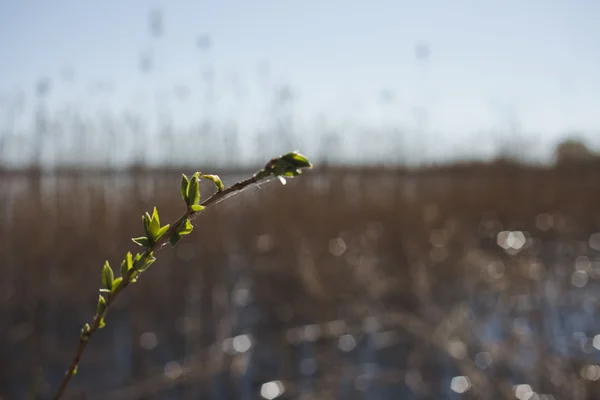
(107, 276)
(126, 264)
(101, 304)
(142, 241)
(185, 184)
(216, 180)
(194, 190)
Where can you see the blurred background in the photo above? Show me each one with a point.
(445, 246)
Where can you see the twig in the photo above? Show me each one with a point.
(287, 165)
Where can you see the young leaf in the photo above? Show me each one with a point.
(134, 276)
(296, 159)
(147, 263)
(174, 238)
(197, 207)
(137, 259)
(162, 231)
(126, 264)
(216, 180)
(289, 164)
(142, 241)
(186, 228)
(154, 224)
(185, 184)
(85, 331)
(116, 283)
(146, 219)
(75, 370)
(101, 323)
(101, 304)
(137, 262)
(292, 172)
(285, 168)
(107, 276)
(194, 190)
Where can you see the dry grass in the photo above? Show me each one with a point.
(407, 261)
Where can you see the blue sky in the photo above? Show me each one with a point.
(491, 63)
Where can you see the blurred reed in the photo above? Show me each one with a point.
(478, 279)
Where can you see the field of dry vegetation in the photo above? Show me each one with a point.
(475, 281)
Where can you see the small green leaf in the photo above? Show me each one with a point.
(186, 228)
(296, 159)
(85, 332)
(146, 219)
(292, 173)
(289, 164)
(137, 262)
(162, 231)
(194, 190)
(126, 264)
(174, 238)
(154, 224)
(142, 241)
(116, 283)
(75, 370)
(197, 207)
(185, 184)
(147, 263)
(107, 276)
(101, 304)
(104, 290)
(285, 168)
(101, 323)
(216, 180)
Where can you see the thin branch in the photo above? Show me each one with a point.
(289, 165)
(98, 321)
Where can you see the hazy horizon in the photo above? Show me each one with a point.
(440, 80)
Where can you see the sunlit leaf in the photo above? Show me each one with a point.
(184, 228)
(116, 283)
(85, 331)
(174, 238)
(142, 241)
(185, 183)
(126, 264)
(155, 224)
(107, 276)
(187, 228)
(146, 219)
(101, 304)
(197, 207)
(147, 263)
(216, 180)
(296, 159)
(194, 190)
(161, 231)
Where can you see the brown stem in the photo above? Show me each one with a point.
(85, 337)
